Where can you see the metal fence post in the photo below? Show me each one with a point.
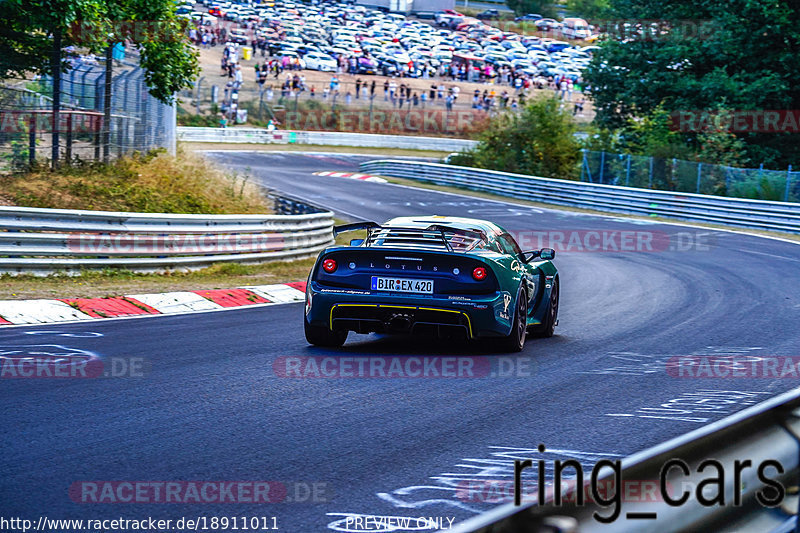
(583, 163)
(197, 96)
(120, 132)
(788, 183)
(55, 68)
(758, 184)
(602, 165)
(651, 172)
(68, 154)
(125, 139)
(699, 175)
(628, 170)
(32, 140)
(673, 172)
(107, 105)
(97, 123)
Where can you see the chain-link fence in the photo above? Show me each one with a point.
(690, 176)
(301, 108)
(137, 121)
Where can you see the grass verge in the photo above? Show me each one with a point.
(148, 183)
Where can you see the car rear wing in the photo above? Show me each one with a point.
(354, 227)
(433, 237)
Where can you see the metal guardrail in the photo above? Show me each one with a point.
(43, 241)
(326, 138)
(776, 216)
(769, 431)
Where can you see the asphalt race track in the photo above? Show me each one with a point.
(210, 405)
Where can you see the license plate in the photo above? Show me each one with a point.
(424, 286)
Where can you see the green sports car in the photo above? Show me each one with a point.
(435, 275)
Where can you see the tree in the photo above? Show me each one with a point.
(653, 134)
(29, 29)
(34, 33)
(521, 7)
(539, 141)
(744, 54)
(167, 57)
(589, 8)
(719, 145)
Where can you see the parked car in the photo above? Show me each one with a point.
(575, 28)
(367, 65)
(320, 61)
(547, 24)
(238, 37)
(488, 14)
(529, 17)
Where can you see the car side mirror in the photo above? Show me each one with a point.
(545, 254)
(356, 242)
(530, 255)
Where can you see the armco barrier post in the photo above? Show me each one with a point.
(651, 172)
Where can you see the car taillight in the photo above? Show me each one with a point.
(479, 274)
(329, 265)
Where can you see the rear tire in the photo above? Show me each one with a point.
(548, 326)
(320, 336)
(515, 341)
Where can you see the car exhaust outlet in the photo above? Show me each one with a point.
(399, 323)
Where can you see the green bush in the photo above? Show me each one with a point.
(539, 141)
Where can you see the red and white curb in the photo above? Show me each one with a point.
(14, 312)
(352, 176)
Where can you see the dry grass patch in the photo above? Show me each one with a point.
(149, 183)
